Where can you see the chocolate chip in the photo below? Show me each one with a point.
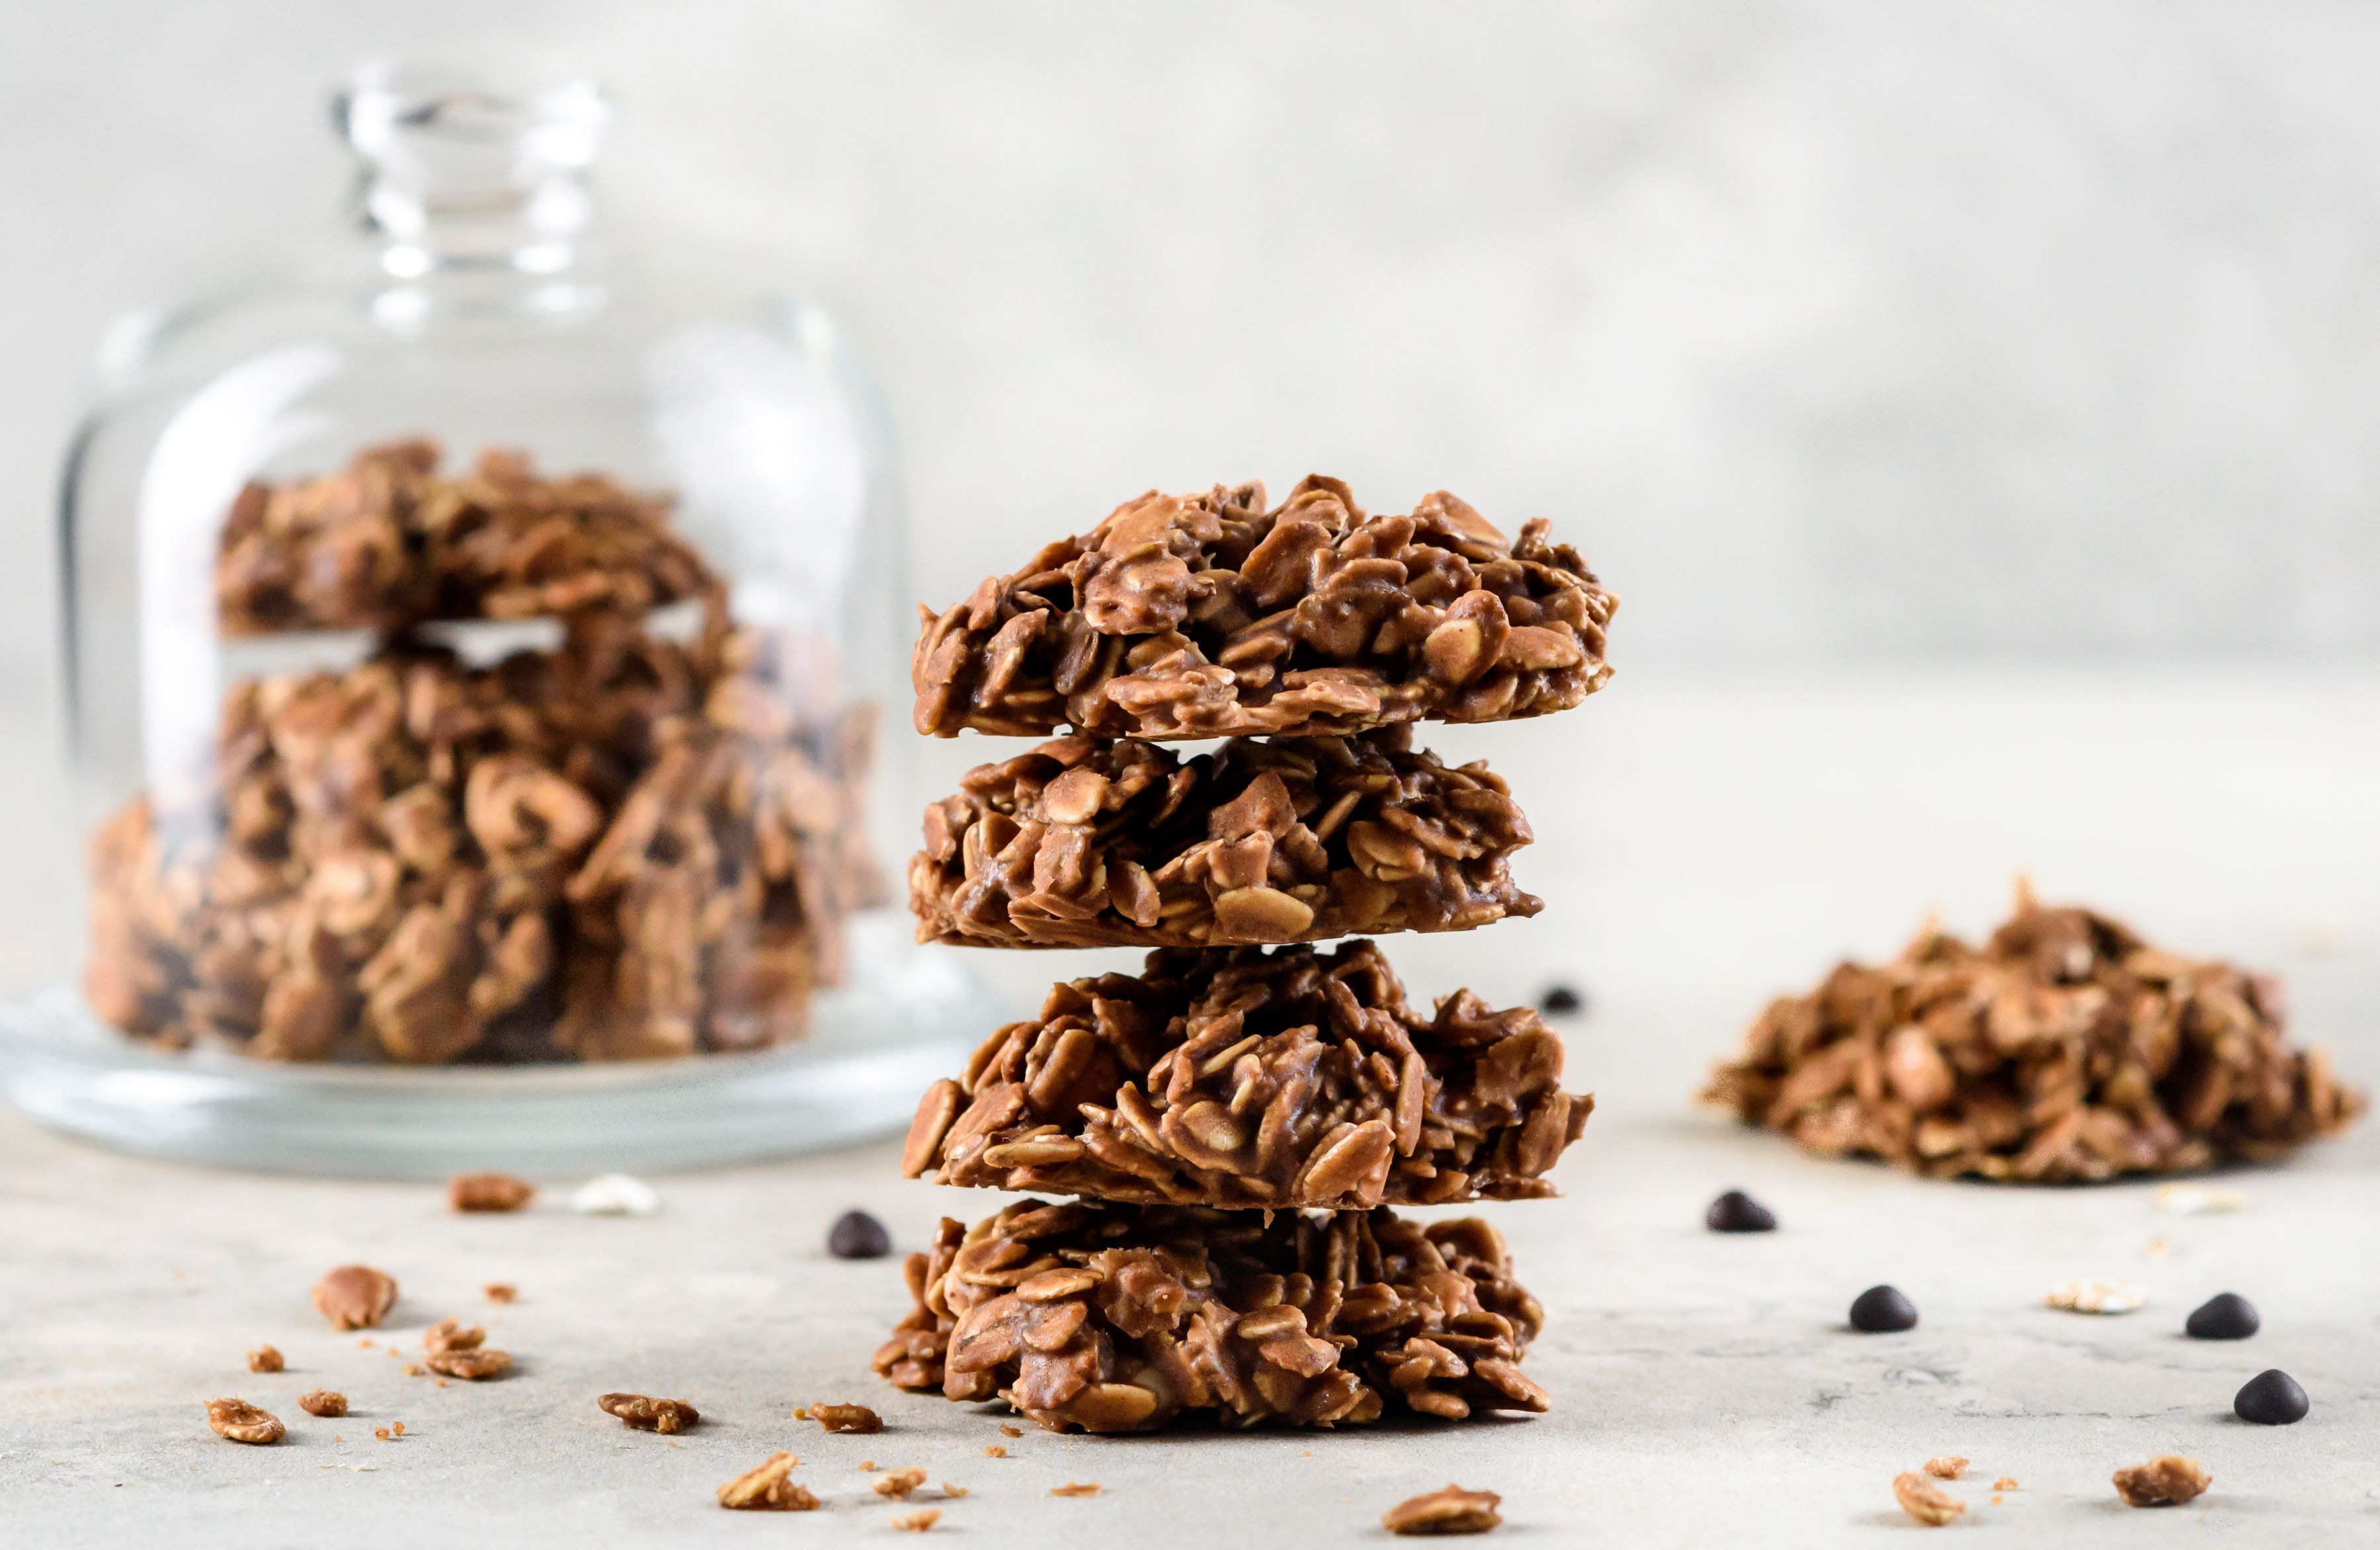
(1881, 1310)
(859, 1235)
(2224, 1316)
(2271, 1399)
(1737, 1212)
(1560, 1000)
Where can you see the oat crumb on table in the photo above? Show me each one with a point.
(995, 1451)
(765, 1488)
(2168, 1480)
(2087, 1295)
(1008, 1431)
(488, 1192)
(264, 1359)
(323, 1403)
(898, 1482)
(1947, 1466)
(355, 1296)
(954, 1492)
(238, 1420)
(918, 1522)
(501, 1292)
(1923, 1500)
(1450, 1512)
(646, 1414)
(476, 1365)
(2005, 1483)
(1076, 1488)
(846, 1418)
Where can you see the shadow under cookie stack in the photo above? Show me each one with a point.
(1235, 1124)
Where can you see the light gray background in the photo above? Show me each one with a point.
(1833, 332)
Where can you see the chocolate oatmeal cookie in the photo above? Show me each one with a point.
(1255, 1078)
(1209, 616)
(2065, 1048)
(1084, 842)
(1127, 1319)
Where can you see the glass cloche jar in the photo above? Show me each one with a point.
(476, 649)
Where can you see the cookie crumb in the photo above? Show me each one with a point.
(488, 1192)
(1923, 1500)
(898, 1483)
(764, 1488)
(323, 1403)
(264, 1359)
(644, 1414)
(1076, 1488)
(1008, 1431)
(1450, 1512)
(381, 1432)
(2096, 1297)
(918, 1522)
(239, 1422)
(355, 1296)
(846, 1418)
(1947, 1466)
(954, 1492)
(501, 1292)
(2168, 1480)
(995, 1451)
(2005, 1483)
(868, 1466)
(453, 1334)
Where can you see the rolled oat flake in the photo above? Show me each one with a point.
(857, 1235)
(2271, 1399)
(2224, 1316)
(1737, 1212)
(1883, 1310)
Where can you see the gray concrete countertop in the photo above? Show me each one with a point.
(1701, 848)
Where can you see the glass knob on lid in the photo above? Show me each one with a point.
(465, 164)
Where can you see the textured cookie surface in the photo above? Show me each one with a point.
(1256, 1078)
(1124, 1319)
(1087, 843)
(1209, 615)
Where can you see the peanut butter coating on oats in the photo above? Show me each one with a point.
(1252, 1079)
(1110, 1318)
(1086, 842)
(2064, 1049)
(1210, 615)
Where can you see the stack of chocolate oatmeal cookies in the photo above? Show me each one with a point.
(1236, 1122)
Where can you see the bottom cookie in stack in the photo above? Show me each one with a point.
(1120, 1318)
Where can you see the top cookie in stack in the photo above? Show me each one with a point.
(1185, 617)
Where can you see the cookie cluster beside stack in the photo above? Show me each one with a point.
(1235, 1123)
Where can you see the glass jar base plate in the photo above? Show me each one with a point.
(871, 1052)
